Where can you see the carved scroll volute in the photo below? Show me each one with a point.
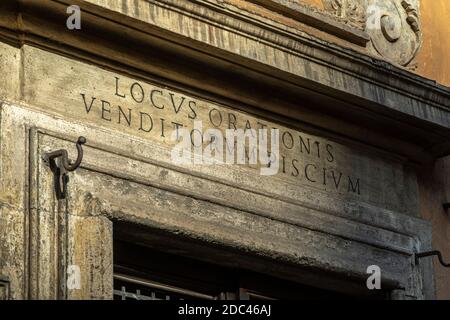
(393, 25)
(394, 29)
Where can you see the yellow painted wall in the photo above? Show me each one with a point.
(433, 58)
(434, 184)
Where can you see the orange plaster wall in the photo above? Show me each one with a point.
(434, 187)
(433, 58)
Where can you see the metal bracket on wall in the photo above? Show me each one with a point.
(63, 166)
(446, 206)
(429, 254)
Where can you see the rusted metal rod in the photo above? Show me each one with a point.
(429, 254)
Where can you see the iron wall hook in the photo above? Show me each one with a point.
(60, 170)
(62, 153)
(429, 254)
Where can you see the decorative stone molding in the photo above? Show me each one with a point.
(398, 39)
(413, 16)
(292, 57)
(390, 29)
(393, 26)
(344, 21)
(351, 12)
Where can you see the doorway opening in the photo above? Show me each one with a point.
(153, 265)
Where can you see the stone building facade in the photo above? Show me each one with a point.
(356, 90)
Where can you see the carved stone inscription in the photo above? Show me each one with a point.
(310, 167)
(157, 112)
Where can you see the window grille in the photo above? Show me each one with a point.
(133, 288)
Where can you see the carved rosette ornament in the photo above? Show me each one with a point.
(351, 12)
(393, 25)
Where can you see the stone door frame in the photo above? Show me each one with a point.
(124, 178)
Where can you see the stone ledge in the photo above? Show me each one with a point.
(246, 59)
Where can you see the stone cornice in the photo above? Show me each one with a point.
(247, 49)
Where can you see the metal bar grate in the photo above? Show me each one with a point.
(151, 290)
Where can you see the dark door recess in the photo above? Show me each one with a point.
(143, 273)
